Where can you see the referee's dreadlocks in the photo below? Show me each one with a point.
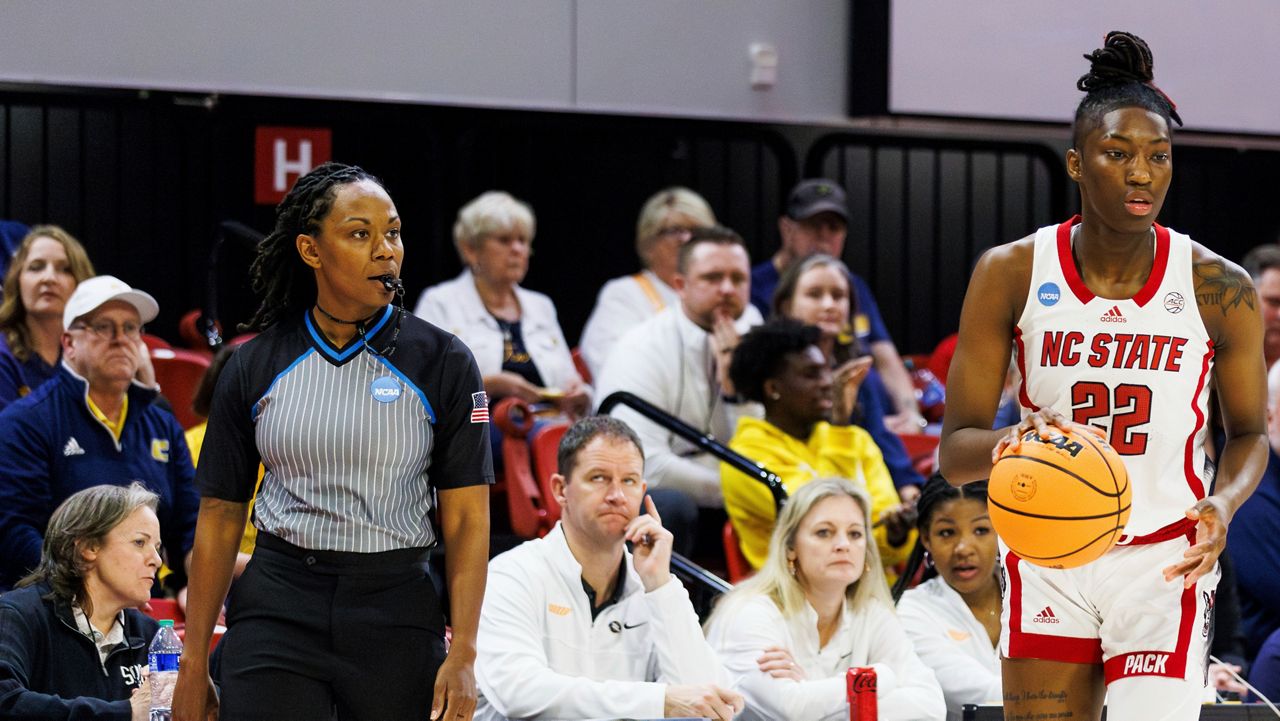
(284, 283)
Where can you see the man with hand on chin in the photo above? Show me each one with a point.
(575, 626)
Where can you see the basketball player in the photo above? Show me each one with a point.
(1119, 325)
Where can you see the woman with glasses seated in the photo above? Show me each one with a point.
(45, 270)
(624, 302)
(93, 423)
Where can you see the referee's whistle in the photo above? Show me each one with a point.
(391, 283)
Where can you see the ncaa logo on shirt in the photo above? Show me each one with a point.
(385, 390)
(1048, 294)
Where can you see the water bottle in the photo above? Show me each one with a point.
(163, 656)
(933, 391)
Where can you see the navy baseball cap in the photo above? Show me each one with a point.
(816, 195)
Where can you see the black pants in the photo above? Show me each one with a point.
(312, 634)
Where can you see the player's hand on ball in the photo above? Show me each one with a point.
(1043, 422)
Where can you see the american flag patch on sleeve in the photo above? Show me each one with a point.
(480, 407)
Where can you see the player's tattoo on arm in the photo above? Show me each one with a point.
(1221, 286)
(1041, 705)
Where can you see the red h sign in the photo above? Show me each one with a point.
(282, 155)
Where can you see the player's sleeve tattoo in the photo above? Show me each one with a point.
(1221, 286)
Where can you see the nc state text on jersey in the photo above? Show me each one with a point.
(1113, 350)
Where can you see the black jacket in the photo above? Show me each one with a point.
(49, 670)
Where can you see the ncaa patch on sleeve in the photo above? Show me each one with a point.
(480, 407)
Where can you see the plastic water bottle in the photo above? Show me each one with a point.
(162, 656)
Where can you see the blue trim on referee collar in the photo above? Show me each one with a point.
(431, 414)
(356, 343)
(253, 413)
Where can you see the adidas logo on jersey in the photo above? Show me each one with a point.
(1045, 616)
(72, 448)
(1114, 316)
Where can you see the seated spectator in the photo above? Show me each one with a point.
(576, 627)
(664, 225)
(1253, 538)
(953, 616)
(679, 361)
(815, 291)
(93, 423)
(1263, 265)
(817, 221)
(1265, 674)
(818, 607)
(513, 333)
(72, 643)
(805, 435)
(45, 270)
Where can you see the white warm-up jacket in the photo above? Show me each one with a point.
(949, 640)
(541, 656)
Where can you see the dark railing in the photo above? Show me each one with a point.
(702, 440)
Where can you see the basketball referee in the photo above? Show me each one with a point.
(360, 413)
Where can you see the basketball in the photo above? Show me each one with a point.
(1061, 501)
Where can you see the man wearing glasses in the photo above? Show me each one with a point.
(93, 423)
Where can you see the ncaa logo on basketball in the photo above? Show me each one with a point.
(1048, 294)
(385, 390)
(1174, 302)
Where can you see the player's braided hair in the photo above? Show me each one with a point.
(284, 283)
(936, 492)
(1120, 75)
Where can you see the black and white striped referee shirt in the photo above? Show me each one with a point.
(352, 442)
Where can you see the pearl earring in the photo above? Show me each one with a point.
(776, 396)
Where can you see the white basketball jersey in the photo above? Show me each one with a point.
(1138, 368)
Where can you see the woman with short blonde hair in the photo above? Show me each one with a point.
(514, 333)
(664, 225)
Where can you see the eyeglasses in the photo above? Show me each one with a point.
(103, 328)
(677, 231)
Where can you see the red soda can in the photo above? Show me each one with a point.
(861, 683)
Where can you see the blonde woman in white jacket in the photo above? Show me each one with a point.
(818, 607)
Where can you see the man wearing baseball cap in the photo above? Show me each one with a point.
(93, 423)
(816, 220)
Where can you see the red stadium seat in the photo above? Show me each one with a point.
(543, 444)
(580, 363)
(922, 450)
(154, 342)
(179, 372)
(525, 503)
(738, 567)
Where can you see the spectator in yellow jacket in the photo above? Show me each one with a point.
(805, 435)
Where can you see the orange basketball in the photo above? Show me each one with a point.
(1059, 502)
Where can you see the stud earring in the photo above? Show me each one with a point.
(776, 396)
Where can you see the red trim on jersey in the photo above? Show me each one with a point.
(1177, 529)
(1068, 649)
(1171, 664)
(1023, 397)
(1158, 267)
(1193, 478)
(1076, 283)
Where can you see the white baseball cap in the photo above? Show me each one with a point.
(95, 291)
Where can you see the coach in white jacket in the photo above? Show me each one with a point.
(576, 627)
